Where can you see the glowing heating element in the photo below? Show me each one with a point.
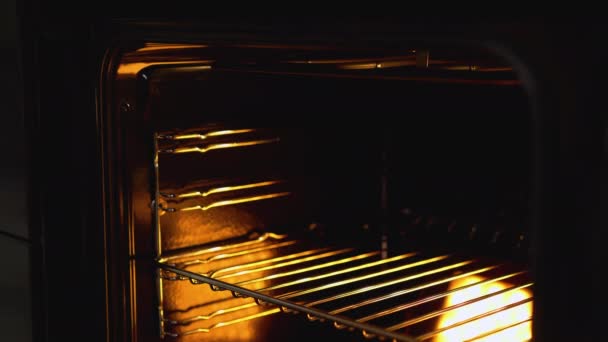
(513, 324)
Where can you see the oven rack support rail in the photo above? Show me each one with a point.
(368, 330)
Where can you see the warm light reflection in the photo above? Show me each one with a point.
(235, 201)
(377, 65)
(260, 239)
(354, 279)
(212, 134)
(222, 146)
(305, 269)
(240, 332)
(477, 330)
(237, 253)
(216, 273)
(394, 294)
(195, 310)
(226, 189)
(131, 69)
(160, 46)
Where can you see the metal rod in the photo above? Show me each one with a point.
(453, 307)
(226, 323)
(215, 313)
(160, 306)
(211, 147)
(290, 305)
(390, 283)
(311, 268)
(158, 244)
(236, 254)
(215, 248)
(214, 274)
(357, 291)
(433, 297)
(202, 136)
(350, 280)
(218, 190)
(338, 272)
(497, 330)
(227, 202)
(485, 314)
(408, 290)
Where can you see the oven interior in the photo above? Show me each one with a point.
(325, 191)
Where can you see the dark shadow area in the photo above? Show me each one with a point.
(15, 298)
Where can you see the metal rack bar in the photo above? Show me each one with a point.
(213, 273)
(215, 313)
(226, 323)
(434, 297)
(330, 282)
(202, 136)
(219, 146)
(390, 283)
(449, 308)
(349, 280)
(350, 293)
(300, 270)
(227, 256)
(282, 303)
(239, 253)
(474, 318)
(343, 295)
(397, 293)
(497, 330)
(226, 202)
(186, 195)
(299, 257)
(215, 248)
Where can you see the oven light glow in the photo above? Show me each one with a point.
(212, 134)
(131, 69)
(158, 46)
(513, 324)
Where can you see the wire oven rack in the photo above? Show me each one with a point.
(408, 296)
(393, 298)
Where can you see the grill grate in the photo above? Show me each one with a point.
(402, 297)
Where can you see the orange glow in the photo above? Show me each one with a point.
(226, 189)
(236, 201)
(131, 69)
(212, 134)
(196, 310)
(160, 46)
(244, 332)
(260, 239)
(516, 320)
(224, 145)
(376, 65)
